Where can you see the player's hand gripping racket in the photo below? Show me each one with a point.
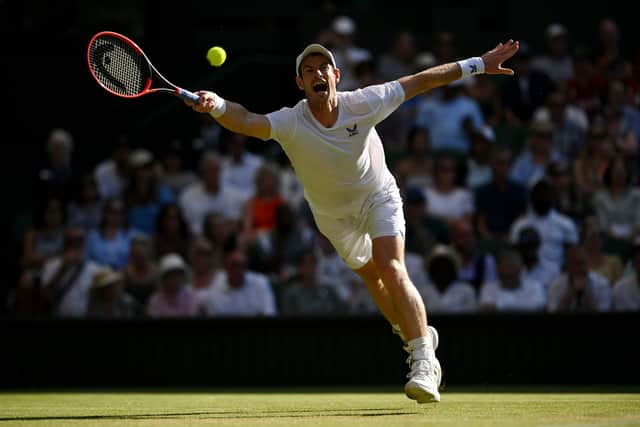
(122, 68)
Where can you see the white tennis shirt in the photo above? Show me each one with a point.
(339, 166)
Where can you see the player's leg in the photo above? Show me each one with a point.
(425, 375)
(369, 274)
(388, 258)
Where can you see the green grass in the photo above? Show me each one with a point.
(322, 407)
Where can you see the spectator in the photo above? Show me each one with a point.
(399, 60)
(556, 230)
(144, 196)
(629, 115)
(107, 297)
(531, 165)
(171, 231)
(450, 117)
(260, 209)
(609, 51)
(567, 199)
(592, 160)
(347, 54)
(569, 123)
(415, 167)
(500, 202)
(217, 231)
(109, 243)
(45, 238)
(174, 297)
(209, 195)
(140, 274)
(111, 174)
(556, 62)
(475, 266)
(607, 265)
(423, 230)
(276, 251)
(445, 47)
(85, 209)
(239, 166)
(588, 87)
(445, 293)
(304, 295)
(204, 261)
(579, 289)
(447, 200)
(173, 173)
(56, 177)
(626, 291)
(238, 292)
(527, 90)
(617, 204)
(66, 279)
(533, 267)
(512, 291)
(478, 169)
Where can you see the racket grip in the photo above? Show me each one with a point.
(186, 95)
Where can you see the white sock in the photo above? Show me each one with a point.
(421, 348)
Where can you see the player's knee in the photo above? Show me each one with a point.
(392, 270)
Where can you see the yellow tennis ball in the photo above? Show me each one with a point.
(216, 56)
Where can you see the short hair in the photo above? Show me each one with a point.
(608, 172)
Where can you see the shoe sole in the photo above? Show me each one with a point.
(420, 394)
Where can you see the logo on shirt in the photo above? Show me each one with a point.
(354, 130)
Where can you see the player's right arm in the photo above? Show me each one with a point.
(235, 118)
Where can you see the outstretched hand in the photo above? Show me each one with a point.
(495, 57)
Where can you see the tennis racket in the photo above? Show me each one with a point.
(122, 68)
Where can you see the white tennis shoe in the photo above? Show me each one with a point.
(425, 375)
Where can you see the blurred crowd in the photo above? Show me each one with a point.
(520, 193)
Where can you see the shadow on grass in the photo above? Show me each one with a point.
(296, 413)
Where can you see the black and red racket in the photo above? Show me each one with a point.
(122, 68)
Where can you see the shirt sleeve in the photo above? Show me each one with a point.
(382, 99)
(283, 124)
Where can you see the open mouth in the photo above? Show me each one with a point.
(320, 87)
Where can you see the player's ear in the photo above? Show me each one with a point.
(336, 72)
(299, 83)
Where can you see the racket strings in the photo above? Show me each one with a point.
(118, 66)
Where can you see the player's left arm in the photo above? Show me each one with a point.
(444, 74)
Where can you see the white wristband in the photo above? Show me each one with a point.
(471, 66)
(219, 106)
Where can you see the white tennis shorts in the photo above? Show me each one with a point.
(352, 236)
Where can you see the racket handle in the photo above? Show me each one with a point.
(186, 95)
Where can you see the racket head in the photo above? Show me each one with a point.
(119, 65)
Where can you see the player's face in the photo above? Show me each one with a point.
(317, 77)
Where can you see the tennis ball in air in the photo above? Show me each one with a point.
(216, 56)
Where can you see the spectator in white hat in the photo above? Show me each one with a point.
(174, 298)
(347, 54)
(556, 62)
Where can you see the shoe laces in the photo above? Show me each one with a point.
(420, 368)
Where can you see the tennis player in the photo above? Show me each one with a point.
(331, 141)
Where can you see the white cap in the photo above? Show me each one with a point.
(314, 48)
(344, 25)
(555, 30)
(140, 157)
(172, 262)
(425, 60)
